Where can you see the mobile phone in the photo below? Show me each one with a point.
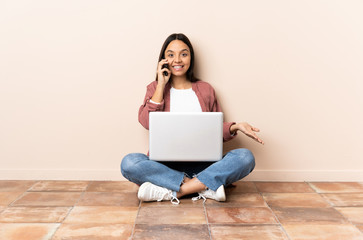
(165, 66)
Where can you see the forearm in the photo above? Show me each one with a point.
(149, 106)
(159, 93)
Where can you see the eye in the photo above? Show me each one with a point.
(185, 54)
(170, 55)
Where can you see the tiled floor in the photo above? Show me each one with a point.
(62, 210)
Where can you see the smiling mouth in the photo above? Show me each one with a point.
(178, 67)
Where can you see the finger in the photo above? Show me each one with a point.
(252, 135)
(255, 129)
(162, 62)
(260, 141)
(256, 138)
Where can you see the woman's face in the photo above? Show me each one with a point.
(178, 55)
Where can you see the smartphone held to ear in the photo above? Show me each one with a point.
(165, 66)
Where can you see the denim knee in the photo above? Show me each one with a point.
(245, 158)
(129, 162)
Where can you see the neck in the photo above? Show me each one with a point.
(181, 82)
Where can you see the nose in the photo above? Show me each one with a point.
(177, 58)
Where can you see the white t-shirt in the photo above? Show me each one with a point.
(183, 100)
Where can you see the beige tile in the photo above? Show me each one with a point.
(112, 186)
(34, 214)
(50, 199)
(354, 214)
(27, 231)
(283, 187)
(127, 199)
(239, 200)
(313, 200)
(345, 199)
(322, 232)
(173, 214)
(337, 187)
(8, 197)
(241, 187)
(258, 215)
(184, 202)
(171, 231)
(309, 215)
(93, 231)
(102, 214)
(59, 186)
(245, 232)
(15, 186)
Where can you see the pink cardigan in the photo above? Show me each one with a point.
(206, 97)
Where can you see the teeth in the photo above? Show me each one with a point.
(177, 67)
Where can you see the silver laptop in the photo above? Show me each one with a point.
(178, 136)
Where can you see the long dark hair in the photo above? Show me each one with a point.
(185, 39)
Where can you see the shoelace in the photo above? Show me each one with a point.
(173, 200)
(199, 197)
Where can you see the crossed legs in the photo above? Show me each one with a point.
(235, 165)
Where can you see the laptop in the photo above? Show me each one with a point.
(185, 136)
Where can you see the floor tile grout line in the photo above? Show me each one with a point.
(329, 203)
(206, 219)
(89, 184)
(134, 225)
(58, 190)
(345, 218)
(10, 204)
(70, 210)
(322, 194)
(275, 216)
(311, 186)
(36, 182)
(326, 200)
(21, 195)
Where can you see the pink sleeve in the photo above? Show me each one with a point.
(148, 106)
(226, 125)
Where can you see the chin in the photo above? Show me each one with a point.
(179, 74)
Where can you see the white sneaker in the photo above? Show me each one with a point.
(150, 192)
(218, 195)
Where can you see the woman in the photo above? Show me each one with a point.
(177, 89)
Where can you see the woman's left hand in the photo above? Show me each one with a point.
(248, 130)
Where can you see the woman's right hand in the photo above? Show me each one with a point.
(162, 79)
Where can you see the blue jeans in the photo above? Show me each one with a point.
(235, 165)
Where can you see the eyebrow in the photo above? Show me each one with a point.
(181, 50)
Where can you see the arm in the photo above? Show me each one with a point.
(148, 106)
(155, 93)
(230, 129)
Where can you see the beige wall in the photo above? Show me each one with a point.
(73, 75)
